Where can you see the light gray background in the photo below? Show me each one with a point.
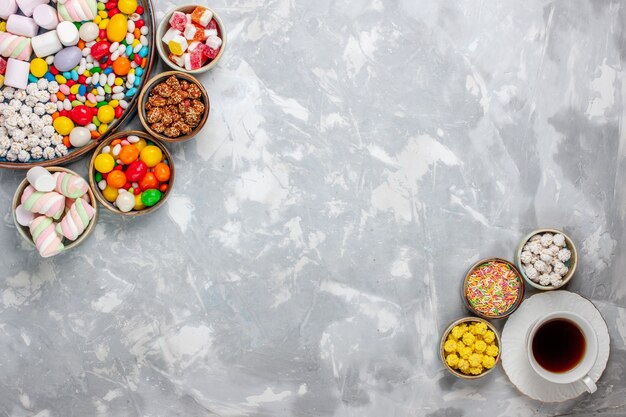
(359, 156)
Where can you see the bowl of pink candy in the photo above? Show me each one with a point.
(191, 38)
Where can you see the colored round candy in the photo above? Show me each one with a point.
(104, 163)
(38, 67)
(151, 155)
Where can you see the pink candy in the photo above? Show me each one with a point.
(178, 21)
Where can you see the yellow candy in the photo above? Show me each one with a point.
(63, 125)
(457, 332)
(175, 47)
(106, 114)
(127, 6)
(151, 155)
(74, 88)
(140, 144)
(475, 359)
(90, 104)
(97, 20)
(138, 203)
(459, 345)
(119, 81)
(465, 352)
(117, 28)
(468, 339)
(104, 163)
(1, 80)
(489, 336)
(60, 79)
(102, 129)
(110, 193)
(480, 346)
(452, 360)
(476, 370)
(103, 24)
(492, 350)
(449, 346)
(103, 14)
(481, 328)
(463, 365)
(3, 26)
(488, 362)
(38, 67)
(114, 103)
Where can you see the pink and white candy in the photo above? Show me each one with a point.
(76, 220)
(45, 237)
(69, 185)
(50, 204)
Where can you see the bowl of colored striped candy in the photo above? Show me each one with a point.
(70, 73)
(191, 38)
(493, 288)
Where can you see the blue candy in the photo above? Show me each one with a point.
(32, 78)
(82, 90)
(143, 52)
(49, 76)
(74, 75)
(108, 70)
(129, 50)
(137, 81)
(131, 92)
(138, 71)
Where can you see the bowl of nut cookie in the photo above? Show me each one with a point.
(174, 106)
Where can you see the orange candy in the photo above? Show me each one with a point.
(162, 172)
(116, 179)
(163, 187)
(149, 181)
(128, 154)
(121, 66)
(115, 142)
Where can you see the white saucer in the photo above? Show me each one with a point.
(514, 351)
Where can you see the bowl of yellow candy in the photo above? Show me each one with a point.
(470, 348)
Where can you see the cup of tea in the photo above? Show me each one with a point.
(562, 348)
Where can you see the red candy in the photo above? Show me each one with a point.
(139, 10)
(3, 66)
(136, 171)
(212, 24)
(99, 50)
(81, 115)
(210, 52)
(149, 181)
(118, 111)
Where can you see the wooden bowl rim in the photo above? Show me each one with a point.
(161, 30)
(520, 298)
(132, 107)
(144, 95)
(573, 262)
(445, 334)
(24, 231)
(97, 191)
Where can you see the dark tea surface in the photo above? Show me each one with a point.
(558, 345)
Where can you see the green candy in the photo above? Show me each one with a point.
(150, 197)
(98, 177)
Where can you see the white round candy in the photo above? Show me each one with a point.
(80, 136)
(67, 33)
(125, 201)
(89, 32)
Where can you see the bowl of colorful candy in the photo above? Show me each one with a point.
(191, 38)
(174, 106)
(493, 288)
(131, 173)
(70, 72)
(54, 209)
(547, 259)
(470, 348)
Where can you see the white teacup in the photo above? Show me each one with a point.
(581, 370)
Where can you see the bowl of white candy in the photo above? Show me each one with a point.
(547, 259)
